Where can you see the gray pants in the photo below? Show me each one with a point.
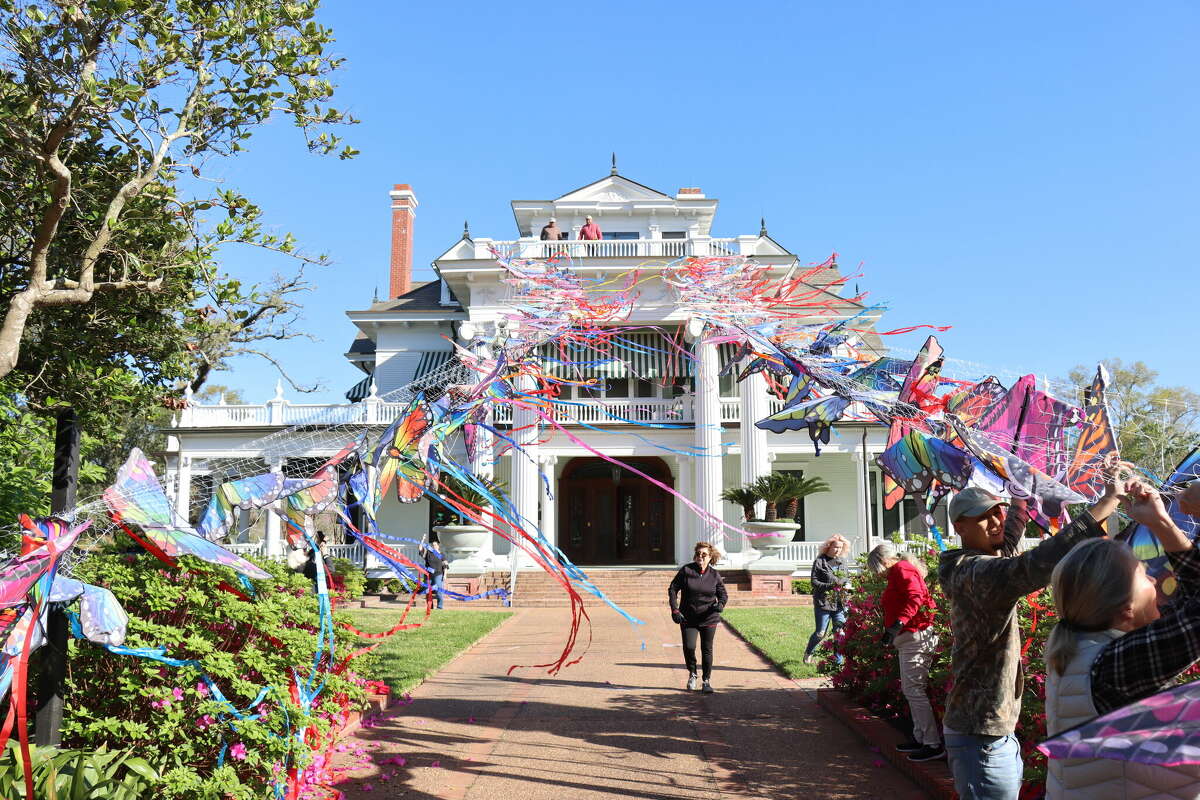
(915, 651)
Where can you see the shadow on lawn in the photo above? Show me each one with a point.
(767, 742)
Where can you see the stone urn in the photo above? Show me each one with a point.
(770, 537)
(460, 544)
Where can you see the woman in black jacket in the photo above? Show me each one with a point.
(829, 585)
(698, 611)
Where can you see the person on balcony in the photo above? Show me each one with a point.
(829, 585)
(590, 231)
(697, 597)
(551, 232)
(908, 611)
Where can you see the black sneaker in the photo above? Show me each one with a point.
(928, 753)
(910, 746)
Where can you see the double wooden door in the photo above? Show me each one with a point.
(609, 515)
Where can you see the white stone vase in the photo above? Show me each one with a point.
(460, 544)
(777, 536)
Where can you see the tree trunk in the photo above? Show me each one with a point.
(770, 516)
(65, 481)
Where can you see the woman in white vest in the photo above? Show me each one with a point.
(1111, 647)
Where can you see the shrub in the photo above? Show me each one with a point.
(801, 586)
(354, 580)
(127, 702)
(77, 774)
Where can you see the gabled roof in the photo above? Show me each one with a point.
(362, 345)
(613, 188)
(423, 297)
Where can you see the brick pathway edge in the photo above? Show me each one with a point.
(932, 776)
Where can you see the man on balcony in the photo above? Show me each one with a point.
(551, 232)
(590, 231)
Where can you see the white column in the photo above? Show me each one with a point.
(548, 491)
(862, 541)
(686, 523)
(707, 488)
(524, 481)
(755, 462)
(183, 492)
(273, 536)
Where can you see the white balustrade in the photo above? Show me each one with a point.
(614, 248)
(353, 552)
(245, 548)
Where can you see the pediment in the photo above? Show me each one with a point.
(612, 189)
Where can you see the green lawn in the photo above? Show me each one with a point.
(409, 657)
(780, 634)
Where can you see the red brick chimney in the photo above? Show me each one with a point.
(404, 208)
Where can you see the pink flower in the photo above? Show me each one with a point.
(202, 688)
(238, 752)
(177, 693)
(205, 721)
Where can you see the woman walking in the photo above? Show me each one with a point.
(1112, 647)
(697, 597)
(829, 583)
(908, 625)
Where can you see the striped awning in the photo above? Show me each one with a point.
(360, 390)
(431, 362)
(648, 355)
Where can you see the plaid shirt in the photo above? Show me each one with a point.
(1146, 661)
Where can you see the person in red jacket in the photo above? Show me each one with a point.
(908, 624)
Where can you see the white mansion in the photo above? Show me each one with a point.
(599, 515)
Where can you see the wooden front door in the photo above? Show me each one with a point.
(609, 515)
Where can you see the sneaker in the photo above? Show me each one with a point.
(708, 689)
(808, 658)
(693, 681)
(910, 746)
(934, 752)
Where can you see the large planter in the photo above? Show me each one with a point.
(460, 544)
(770, 537)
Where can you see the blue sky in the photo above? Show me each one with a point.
(1023, 172)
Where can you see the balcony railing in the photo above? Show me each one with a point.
(600, 411)
(618, 248)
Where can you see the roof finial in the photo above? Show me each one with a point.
(375, 299)
(466, 230)
(762, 226)
(614, 164)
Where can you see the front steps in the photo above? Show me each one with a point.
(627, 587)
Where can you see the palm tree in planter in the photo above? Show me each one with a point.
(779, 489)
(745, 497)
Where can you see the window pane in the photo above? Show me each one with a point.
(618, 387)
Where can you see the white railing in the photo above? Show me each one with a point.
(613, 411)
(211, 416)
(619, 248)
(351, 552)
(800, 552)
(245, 548)
(339, 414)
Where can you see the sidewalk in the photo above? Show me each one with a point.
(618, 724)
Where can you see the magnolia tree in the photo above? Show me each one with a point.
(111, 114)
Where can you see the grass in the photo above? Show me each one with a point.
(780, 634)
(405, 660)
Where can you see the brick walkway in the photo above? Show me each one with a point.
(616, 725)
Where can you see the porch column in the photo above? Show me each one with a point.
(273, 537)
(483, 464)
(755, 462)
(707, 489)
(686, 523)
(525, 489)
(548, 491)
(862, 541)
(183, 491)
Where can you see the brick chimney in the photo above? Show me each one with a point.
(404, 209)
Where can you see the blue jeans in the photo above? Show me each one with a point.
(985, 767)
(822, 619)
(436, 586)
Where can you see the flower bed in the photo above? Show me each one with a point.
(171, 714)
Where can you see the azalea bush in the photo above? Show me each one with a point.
(871, 672)
(170, 715)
